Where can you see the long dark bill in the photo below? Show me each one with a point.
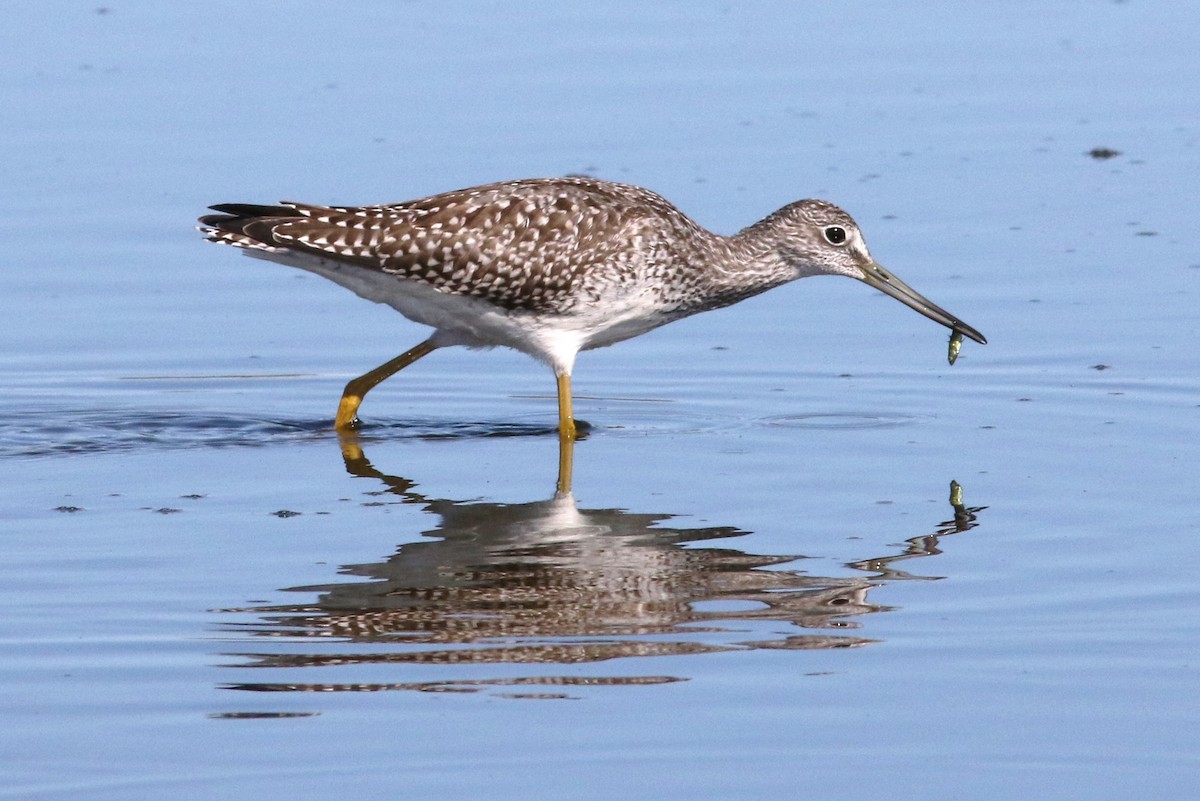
(875, 275)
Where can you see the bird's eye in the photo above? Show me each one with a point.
(835, 234)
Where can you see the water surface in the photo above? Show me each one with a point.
(759, 584)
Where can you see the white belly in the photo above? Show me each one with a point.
(475, 323)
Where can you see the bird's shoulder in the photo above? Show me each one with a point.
(549, 209)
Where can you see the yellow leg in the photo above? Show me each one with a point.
(566, 457)
(352, 397)
(566, 420)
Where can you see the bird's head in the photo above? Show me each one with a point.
(813, 237)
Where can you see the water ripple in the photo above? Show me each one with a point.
(841, 420)
(76, 432)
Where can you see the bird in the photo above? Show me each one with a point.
(550, 267)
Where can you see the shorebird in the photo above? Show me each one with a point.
(550, 266)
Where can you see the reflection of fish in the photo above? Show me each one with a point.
(545, 584)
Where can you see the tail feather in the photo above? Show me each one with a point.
(245, 225)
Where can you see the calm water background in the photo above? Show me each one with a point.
(205, 597)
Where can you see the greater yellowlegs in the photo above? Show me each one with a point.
(550, 267)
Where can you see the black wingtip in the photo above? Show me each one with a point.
(253, 210)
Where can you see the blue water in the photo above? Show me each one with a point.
(759, 584)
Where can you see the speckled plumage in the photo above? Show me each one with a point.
(551, 267)
(539, 246)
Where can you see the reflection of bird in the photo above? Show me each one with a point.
(545, 582)
(548, 583)
(550, 267)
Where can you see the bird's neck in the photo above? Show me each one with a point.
(721, 271)
(746, 264)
